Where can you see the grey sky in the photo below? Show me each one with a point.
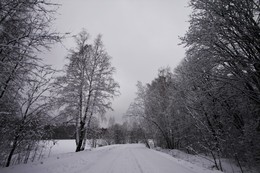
(140, 35)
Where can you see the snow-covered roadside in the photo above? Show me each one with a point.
(60, 163)
(69, 145)
(64, 146)
(47, 148)
(203, 161)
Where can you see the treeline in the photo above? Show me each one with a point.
(59, 132)
(113, 134)
(210, 103)
(123, 133)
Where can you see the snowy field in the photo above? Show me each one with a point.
(132, 158)
(63, 146)
(55, 147)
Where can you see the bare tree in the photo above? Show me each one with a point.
(32, 114)
(221, 71)
(155, 105)
(88, 86)
(24, 31)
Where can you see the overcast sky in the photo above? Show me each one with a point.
(140, 35)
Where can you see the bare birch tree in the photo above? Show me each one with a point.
(88, 86)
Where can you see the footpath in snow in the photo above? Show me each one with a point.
(126, 158)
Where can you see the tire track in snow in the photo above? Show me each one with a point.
(136, 161)
(95, 163)
(112, 165)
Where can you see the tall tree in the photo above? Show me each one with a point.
(88, 86)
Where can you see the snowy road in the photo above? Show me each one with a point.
(128, 158)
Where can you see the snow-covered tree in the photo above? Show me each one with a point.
(221, 77)
(225, 34)
(24, 32)
(88, 86)
(22, 130)
(155, 105)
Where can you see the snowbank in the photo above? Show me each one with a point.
(204, 161)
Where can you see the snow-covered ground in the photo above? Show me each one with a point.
(205, 161)
(55, 147)
(132, 158)
(47, 148)
(63, 146)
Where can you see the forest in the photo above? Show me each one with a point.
(209, 103)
